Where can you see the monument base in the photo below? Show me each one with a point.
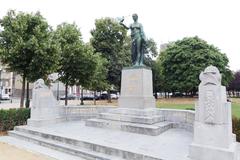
(136, 102)
(201, 152)
(207, 144)
(136, 88)
(44, 122)
(137, 111)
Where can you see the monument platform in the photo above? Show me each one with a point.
(137, 111)
(141, 121)
(76, 139)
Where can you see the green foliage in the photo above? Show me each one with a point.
(151, 48)
(27, 46)
(235, 82)
(158, 79)
(13, 117)
(183, 60)
(77, 62)
(236, 127)
(99, 79)
(88, 66)
(149, 60)
(110, 39)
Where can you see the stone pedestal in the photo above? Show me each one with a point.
(136, 88)
(213, 137)
(137, 111)
(44, 109)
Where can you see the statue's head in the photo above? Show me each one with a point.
(135, 17)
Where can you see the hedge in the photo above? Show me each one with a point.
(13, 117)
(236, 127)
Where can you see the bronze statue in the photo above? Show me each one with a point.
(138, 40)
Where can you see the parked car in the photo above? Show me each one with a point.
(103, 96)
(114, 96)
(4, 97)
(69, 97)
(90, 97)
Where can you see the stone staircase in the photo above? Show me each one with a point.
(77, 147)
(141, 121)
(114, 142)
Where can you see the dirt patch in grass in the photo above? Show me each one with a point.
(235, 100)
(91, 102)
(177, 100)
(114, 102)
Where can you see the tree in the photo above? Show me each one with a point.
(89, 67)
(151, 49)
(110, 39)
(99, 79)
(77, 62)
(27, 47)
(151, 53)
(234, 85)
(183, 60)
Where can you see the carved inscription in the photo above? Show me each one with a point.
(132, 83)
(209, 107)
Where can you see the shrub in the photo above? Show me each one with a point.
(236, 127)
(13, 117)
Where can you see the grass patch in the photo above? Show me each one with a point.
(236, 109)
(175, 106)
(187, 103)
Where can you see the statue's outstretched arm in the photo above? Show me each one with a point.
(124, 25)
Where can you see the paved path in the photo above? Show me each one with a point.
(24, 150)
(9, 152)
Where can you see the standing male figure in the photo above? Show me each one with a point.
(138, 40)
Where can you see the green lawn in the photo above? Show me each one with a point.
(178, 105)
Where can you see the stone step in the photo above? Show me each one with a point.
(152, 130)
(137, 112)
(38, 149)
(77, 147)
(83, 153)
(132, 118)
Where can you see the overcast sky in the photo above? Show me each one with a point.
(216, 21)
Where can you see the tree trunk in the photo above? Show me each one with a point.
(23, 91)
(155, 95)
(27, 96)
(66, 94)
(109, 97)
(58, 90)
(81, 96)
(94, 98)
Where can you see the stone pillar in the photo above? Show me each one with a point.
(213, 138)
(44, 109)
(136, 88)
